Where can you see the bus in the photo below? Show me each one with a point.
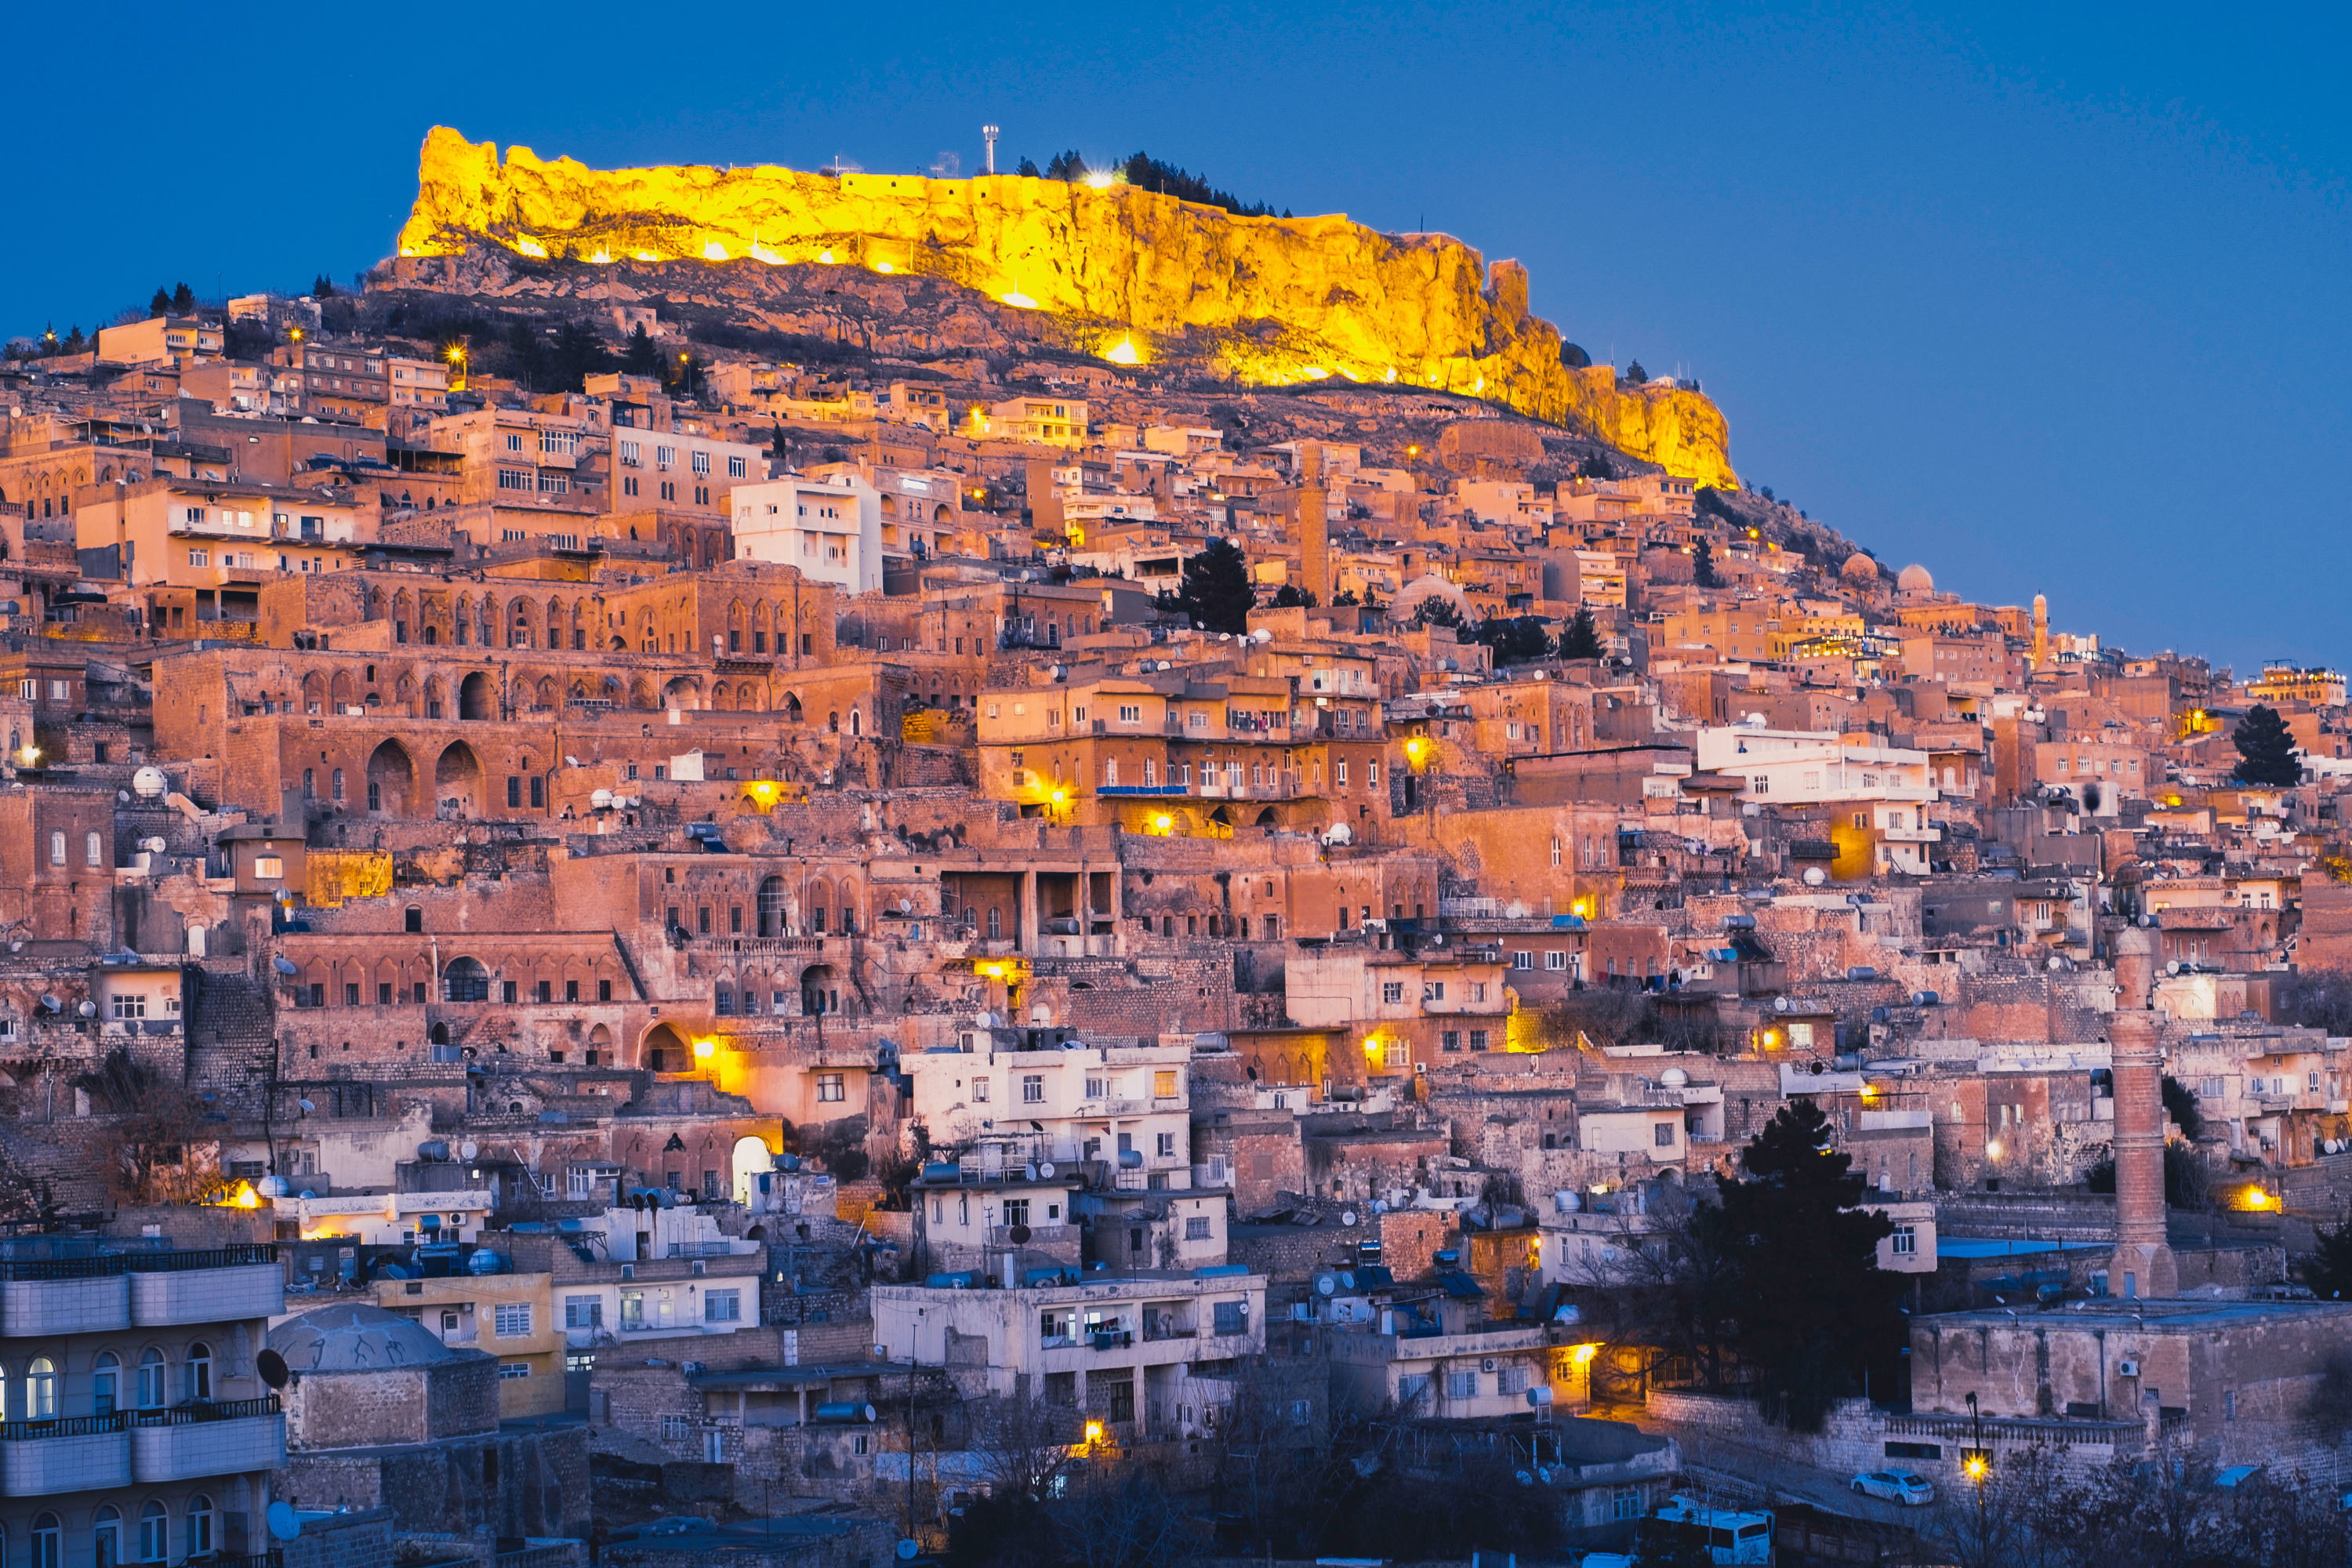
(1731, 1536)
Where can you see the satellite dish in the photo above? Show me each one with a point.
(600, 800)
(570, 762)
(1779, 1004)
(907, 1550)
(906, 906)
(88, 1008)
(1815, 876)
(307, 1106)
(1817, 1068)
(285, 966)
(283, 1525)
(1262, 635)
(1045, 1170)
(149, 783)
(2173, 967)
(272, 1367)
(1380, 1205)
(1348, 1217)
(1020, 1235)
(272, 1187)
(1327, 1284)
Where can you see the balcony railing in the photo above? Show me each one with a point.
(63, 1427)
(107, 1264)
(204, 1410)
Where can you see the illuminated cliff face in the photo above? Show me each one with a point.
(1140, 277)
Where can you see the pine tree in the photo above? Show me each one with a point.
(2266, 750)
(75, 342)
(642, 357)
(1702, 570)
(1813, 1307)
(184, 300)
(1580, 640)
(161, 305)
(1216, 590)
(1636, 373)
(323, 287)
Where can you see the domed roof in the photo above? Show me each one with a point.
(1915, 579)
(1410, 596)
(351, 1336)
(1860, 568)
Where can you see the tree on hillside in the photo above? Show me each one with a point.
(184, 300)
(75, 342)
(1067, 166)
(1216, 591)
(641, 357)
(2266, 750)
(2328, 1269)
(1029, 170)
(1703, 572)
(161, 305)
(2180, 1105)
(323, 287)
(1580, 640)
(1636, 373)
(1813, 1307)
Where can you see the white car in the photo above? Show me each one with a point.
(1895, 1486)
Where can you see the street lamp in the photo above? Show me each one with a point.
(1976, 1465)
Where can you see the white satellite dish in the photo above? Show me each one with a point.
(468, 1151)
(1815, 876)
(1348, 1217)
(1326, 1284)
(149, 782)
(570, 761)
(1045, 1170)
(1262, 634)
(1779, 1004)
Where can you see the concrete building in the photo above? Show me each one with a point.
(144, 1419)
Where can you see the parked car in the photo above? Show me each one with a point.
(1895, 1486)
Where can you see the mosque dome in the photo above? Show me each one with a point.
(351, 1336)
(1860, 568)
(1916, 579)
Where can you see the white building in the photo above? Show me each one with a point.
(1150, 1354)
(1802, 768)
(830, 529)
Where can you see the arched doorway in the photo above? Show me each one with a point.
(458, 782)
(773, 908)
(390, 780)
(665, 1050)
(751, 1161)
(599, 1046)
(475, 698)
(465, 980)
(820, 990)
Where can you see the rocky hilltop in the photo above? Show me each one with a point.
(1130, 275)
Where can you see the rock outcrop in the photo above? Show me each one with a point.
(1136, 277)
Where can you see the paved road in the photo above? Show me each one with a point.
(1741, 1474)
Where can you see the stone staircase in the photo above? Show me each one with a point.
(232, 1041)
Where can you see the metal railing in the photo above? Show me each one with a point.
(64, 1427)
(198, 1412)
(106, 1264)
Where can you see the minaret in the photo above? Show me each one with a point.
(2041, 631)
(1314, 528)
(988, 134)
(2143, 1264)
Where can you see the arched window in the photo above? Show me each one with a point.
(93, 849)
(772, 907)
(58, 848)
(155, 1537)
(200, 1526)
(150, 1382)
(466, 980)
(106, 1384)
(200, 1371)
(41, 1390)
(48, 1542)
(106, 1537)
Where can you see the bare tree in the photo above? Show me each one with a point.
(156, 1148)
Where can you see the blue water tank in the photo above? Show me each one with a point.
(1130, 1159)
(485, 1261)
(961, 1280)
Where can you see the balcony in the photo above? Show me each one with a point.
(205, 1287)
(84, 1453)
(64, 1297)
(208, 1439)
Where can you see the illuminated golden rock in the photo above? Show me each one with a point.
(1274, 301)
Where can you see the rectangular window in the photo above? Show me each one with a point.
(1231, 1318)
(722, 1306)
(1032, 1088)
(1663, 1134)
(829, 1087)
(1392, 991)
(1523, 961)
(1905, 1241)
(582, 1311)
(511, 1369)
(1449, 1039)
(1461, 1385)
(511, 1320)
(1477, 1040)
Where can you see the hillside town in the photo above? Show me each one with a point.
(560, 1005)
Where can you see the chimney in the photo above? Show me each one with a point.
(2143, 1264)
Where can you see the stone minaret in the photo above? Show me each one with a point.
(1314, 529)
(2143, 1264)
(2041, 631)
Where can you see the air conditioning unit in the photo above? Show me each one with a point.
(1490, 1363)
(2127, 1369)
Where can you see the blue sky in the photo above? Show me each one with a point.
(2051, 302)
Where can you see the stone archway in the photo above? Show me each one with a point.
(664, 1049)
(458, 782)
(476, 699)
(391, 781)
